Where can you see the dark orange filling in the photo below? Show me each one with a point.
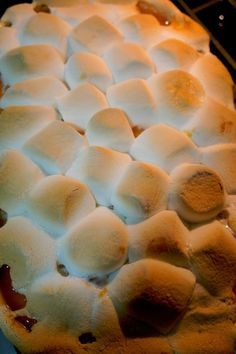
(146, 8)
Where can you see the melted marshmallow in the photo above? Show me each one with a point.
(96, 246)
(8, 39)
(18, 15)
(55, 147)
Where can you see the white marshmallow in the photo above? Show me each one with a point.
(215, 79)
(39, 91)
(28, 62)
(213, 124)
(18, 175)
(96, 246)
(55, 147)
(173, 54)
(153, 292)
(135, 98)
(197, 192)
(14, 120)
(178, 96)
(213, 257)
(88, 67)
(163, 237)
(8, 39)
(62, 302)
(141, 192)
(79, 105)
(27, 250)
(58, 202)
(94, 34)
(164, 147)
(45, 28)
(222, 158)
(140, 28)
(110, 128)
(99, 168)
(129, 61)
(18, 15)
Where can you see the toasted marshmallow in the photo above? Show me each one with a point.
(28, 62)
(95, 35)
(97, 245)
(18, 175)
(18, 15)
(213, 124)
(8, 39)
(48, 293)
(14, 120)
(140, 28)
(215, 79)
(27, 250)
(110, 128)
(129, 61)
(41, 91)
(57, 202)
(148, 345)
(163, 10)
(87, 67)
(196, 192)
(163, 237)
(45, 28)
(141, 192)
(79, 105)
(222, 159)
(99, 168)
(172, 54)
(153, 292)
(178, 95)
(55, 147)
(213, 257)
(164, 147)
(135, 98)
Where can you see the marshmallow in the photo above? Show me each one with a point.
(164, 147)
(59, 3)
(215, 79)
(140, 192)
(99, 168)
(140, 28)
(80, 104)
(27, 250)
(196, 192)
(94, 34)
(39, 91)
(129, 61)
(14, 120)
(28, 62)
(213, 257)
(135, 98)
(18, 175)
(148, 345)
(163, 237)
(45, 28)
(97, 245)
(222, 158)
(18, 15)
(55, 147)
(153, 292)
(213, 124)
(178, 95)
(8, 39)
(110, 128)
(57, 202)
(173, 54)
(82, 67)
(62, 302)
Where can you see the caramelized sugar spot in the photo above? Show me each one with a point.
(42, 8)
(137, 130)
(13, 299)
(3, 217)
(26, 322)
(61, 268)
(146, 8)
(86, 338)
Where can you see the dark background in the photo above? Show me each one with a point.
(217, 16)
